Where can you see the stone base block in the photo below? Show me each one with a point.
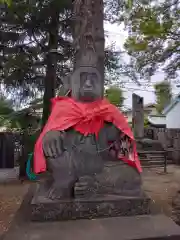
(144, 227)
(43, 209)
(121, 228)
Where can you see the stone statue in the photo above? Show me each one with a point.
(84, 166)
(86, 145)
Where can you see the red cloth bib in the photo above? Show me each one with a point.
(86, 118)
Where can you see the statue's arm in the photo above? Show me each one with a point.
(53, 144)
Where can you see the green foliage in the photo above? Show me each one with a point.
(8, 2)
(115, 96)
(129, 3)
(146, 122)
(163, 94)
(15, 119)
(25, 48)
(154, 36)
(6, 110)
(24, 45)
(28, 37)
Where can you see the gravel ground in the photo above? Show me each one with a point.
(162, 188)
(11, 196)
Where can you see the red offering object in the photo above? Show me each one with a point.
(86, 118)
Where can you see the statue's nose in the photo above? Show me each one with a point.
(88, 83)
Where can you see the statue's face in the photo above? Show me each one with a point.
(88, 83)
(87, 86)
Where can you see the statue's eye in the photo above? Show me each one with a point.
(83, 78)
(93, 77)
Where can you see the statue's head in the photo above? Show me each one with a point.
(85, 84)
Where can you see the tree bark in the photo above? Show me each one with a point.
(88, 35)
(50, 78)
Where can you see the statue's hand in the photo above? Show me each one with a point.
(53, 144)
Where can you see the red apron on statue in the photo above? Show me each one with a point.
(86, 118)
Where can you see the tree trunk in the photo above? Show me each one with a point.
(88, 35)
(50, 78)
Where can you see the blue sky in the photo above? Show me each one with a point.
(117, 34)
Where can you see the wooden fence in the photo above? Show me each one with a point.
(15, 148)
(6, 151)
(169, 138)
(11, 149)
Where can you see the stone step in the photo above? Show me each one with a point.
(155, 160)
(151, 155)
(153, 166)
(156, 227)
(145, 156)
(152, 158)
(151, 152)
(152, 162)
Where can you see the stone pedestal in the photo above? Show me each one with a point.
(44, 209)
(138, 227)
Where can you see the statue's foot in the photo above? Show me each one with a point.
(85, 187)
(52, 194)
(59, 192)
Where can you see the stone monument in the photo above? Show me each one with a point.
(151, 152)
(138, 116)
